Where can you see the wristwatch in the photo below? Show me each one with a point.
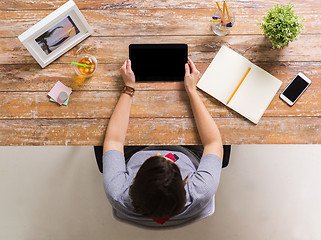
(128, 90)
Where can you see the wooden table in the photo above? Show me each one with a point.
(160, 113)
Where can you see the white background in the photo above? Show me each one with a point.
(267, 192)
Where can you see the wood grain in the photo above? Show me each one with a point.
(153, 21)
(30, 77)
(160, 113)
(201, 48)
(150, 4)
(100, 104)
(169, 131)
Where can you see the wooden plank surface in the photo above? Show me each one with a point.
(201, 48)
(160, 112)
(151, 4)
(142, 131)
(99, 104)
(30, 77)
(121, 22)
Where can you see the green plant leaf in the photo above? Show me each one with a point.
(281, 25)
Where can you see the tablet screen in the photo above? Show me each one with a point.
(158, 62)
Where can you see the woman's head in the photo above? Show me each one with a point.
(158, 189)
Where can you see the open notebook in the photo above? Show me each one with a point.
(253, 95)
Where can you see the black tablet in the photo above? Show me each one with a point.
(158, 62)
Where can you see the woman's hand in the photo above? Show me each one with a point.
(191, 76)
(128, 74)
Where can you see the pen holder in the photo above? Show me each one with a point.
(222, 28)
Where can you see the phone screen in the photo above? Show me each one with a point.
(294, 90)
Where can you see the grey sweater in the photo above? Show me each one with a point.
(201, 186)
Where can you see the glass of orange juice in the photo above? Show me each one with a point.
(89, 63)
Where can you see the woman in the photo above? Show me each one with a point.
(167, 185)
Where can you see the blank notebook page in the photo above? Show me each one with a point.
(255, 94)
(223, 74)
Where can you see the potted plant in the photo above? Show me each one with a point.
(281, 25)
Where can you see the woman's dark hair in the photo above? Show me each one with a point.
(158, 189)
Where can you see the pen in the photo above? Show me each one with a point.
(239, 84)
(230, 24)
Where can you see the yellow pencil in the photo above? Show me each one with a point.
(239, 84)
(215, 20)
(225, 8)
(222, 18)
(219, 8)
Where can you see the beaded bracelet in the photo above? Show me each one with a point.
(128, 90)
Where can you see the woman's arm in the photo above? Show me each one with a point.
(118, 123)
(207, 128)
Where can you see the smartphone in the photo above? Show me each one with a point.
(295, 89)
